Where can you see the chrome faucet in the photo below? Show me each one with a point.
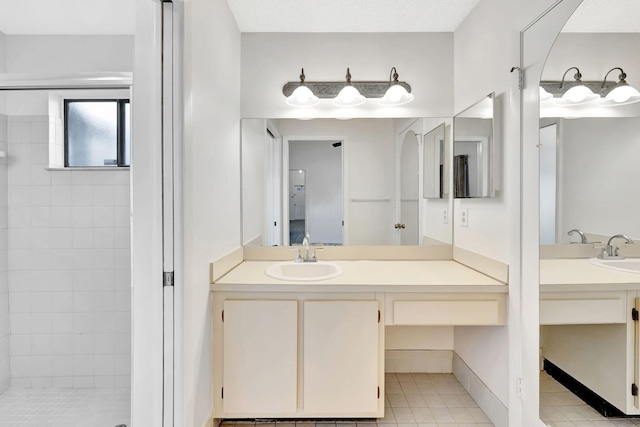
(583, 238)
(611, 251)
(305, 254)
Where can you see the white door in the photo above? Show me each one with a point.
(341, 357)
(409, 181)
(260, 357)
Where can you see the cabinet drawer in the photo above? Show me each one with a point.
(582, 311)
(454, 312)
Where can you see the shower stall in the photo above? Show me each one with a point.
(65, 271)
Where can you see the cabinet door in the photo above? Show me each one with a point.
(260, 356)
(341, 357)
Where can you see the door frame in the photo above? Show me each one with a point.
(417, 128)
(286, 140)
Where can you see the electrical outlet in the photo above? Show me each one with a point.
(464, 217)
(445, 216)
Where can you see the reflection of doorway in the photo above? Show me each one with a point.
(470, 176)
(297, 203)
(314, 198)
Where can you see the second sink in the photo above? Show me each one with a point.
(304, 271)
(631, 265)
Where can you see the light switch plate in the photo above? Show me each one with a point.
(445, 216)
(464, 217)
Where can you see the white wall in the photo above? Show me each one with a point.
(212, 216)
(5, 370)
(269, 60)
(370, 173)
(5, 373)
(599, 175)
(253, 181)
(435, 227)
(69, 54)
(484, 39)
(594, 54)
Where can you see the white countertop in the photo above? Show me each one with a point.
(582, 275)
(368, 276)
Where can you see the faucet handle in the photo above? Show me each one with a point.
(313, 254)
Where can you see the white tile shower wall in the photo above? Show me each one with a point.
(69, 266)
(494, 409)
(5, 370)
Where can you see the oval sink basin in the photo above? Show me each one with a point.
(303, 271)
(631, 265)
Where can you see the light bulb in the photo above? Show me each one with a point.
(396, 95)
(302, 97)
(544, 95)
(349, 96)
(577, 95)
(622, 93)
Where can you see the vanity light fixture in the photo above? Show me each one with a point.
(349, 96)
(302, 96)
(622, 93)
(396, 94)
(350, 93)
(578, 94)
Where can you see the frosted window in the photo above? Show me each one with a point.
(97, 132)
(92, 133)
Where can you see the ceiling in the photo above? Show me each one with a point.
(67, 17)
(118, 16)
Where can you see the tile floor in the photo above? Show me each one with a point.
(411, 400)
(561, 408)
(65, 407)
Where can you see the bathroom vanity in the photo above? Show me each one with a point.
(315, 349)
(589, 327)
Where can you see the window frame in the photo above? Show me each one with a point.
(120, 131)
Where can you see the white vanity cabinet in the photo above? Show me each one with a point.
(588, 330)
(286, 349)
(260, 356)
(298, 355)
(341, 356)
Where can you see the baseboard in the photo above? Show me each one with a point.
(589, 397)
(493, 408)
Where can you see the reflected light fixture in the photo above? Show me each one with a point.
(349, 96)
(545, 96)
(396, 94)
(302, 96)
(578, 94)
(622, 93)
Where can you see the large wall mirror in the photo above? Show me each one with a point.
(436, 166)
(345, 182)
(589, 192)
(473, 150)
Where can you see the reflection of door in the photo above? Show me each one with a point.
(297, 195)
(409, 179)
